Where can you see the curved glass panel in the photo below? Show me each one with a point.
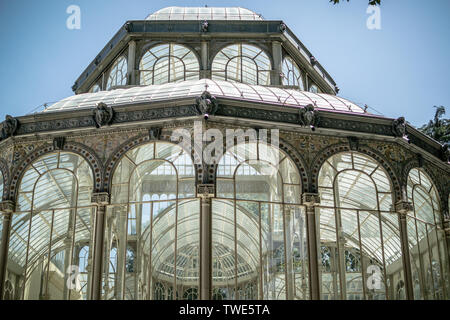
(242, 63)
(259, 230)
(168, 63)
(51, 232)
(218, 88)
(291, 74)
(204, 13)
(360, 246)
(152, 231)
(118, 74)
(426, 238)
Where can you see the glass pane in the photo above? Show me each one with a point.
(168, 63)
(53, 225)
(242, 63)
(118, 74)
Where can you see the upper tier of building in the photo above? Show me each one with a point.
(191, 43)
(204, 13)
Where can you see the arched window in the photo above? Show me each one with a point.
(259, 230)
(160, 292)
(427, 246)
(153, 221)
(242, 63)
(168, 63)
(359, 232)
(118, 74)
(191, 294)
(291, 74)
(83, 263)
(54, 216)
(9, 291)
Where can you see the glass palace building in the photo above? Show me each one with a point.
(99, 201)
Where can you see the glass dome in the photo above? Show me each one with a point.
(217, 88)
(204, 13)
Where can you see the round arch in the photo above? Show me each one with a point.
(292, 153)
(53, 216)
(443, 189)
(258, 63)
(358, 227)
(426, 236)
(216, 50)
(149, 46)
(264, 180)
(117, 74)
(293, 75)
(429, 187)
(328, 152)
(137, 141)
(154, 204)
(71, 147)
(183, 53)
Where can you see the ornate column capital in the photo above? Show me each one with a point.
(205, 191)
(100, 198)
(403, 207)
(310, 199)
(7, 206)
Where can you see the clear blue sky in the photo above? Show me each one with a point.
(400, 70)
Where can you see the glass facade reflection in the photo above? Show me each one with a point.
(360, 248)
(259, 230)
(51, 230)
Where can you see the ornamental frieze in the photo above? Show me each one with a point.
(287, 116)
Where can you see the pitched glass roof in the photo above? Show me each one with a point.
(218, 88)
(204, 13)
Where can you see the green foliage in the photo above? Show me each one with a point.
(371, 2)
(438, 128)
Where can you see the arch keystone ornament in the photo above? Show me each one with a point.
(204, 26)
(353, 143)
(58, 143)
(206, 104)
(154, 133)
(399, 127)
(103, 115)
(309, 117)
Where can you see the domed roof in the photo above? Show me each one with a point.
(204, 13)
(218, 88)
